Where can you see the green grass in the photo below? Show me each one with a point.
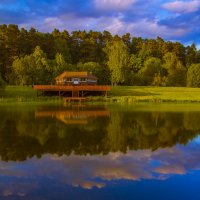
(122, 94)
(13, 94)
(154, 94)
(19, 91)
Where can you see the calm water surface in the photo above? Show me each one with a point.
(99, 152)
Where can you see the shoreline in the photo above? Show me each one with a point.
(118, 94)
(99, 99)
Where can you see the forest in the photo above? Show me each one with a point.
(30, 57)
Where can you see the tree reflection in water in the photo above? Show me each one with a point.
(25, 133)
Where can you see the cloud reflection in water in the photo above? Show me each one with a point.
(97, 171)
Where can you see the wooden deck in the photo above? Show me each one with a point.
(71, 87)
(74, 91)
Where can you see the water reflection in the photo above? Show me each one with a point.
(96, 172)
(78, 114)
(110, 146)
(25, 133)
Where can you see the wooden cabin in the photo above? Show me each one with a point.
(73, 86)
(76, 78)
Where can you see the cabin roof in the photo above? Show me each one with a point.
(75, 75)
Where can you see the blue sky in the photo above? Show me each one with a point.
(175, 20)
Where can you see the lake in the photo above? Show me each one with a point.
(100, 152)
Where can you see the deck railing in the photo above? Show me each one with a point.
(72, 88)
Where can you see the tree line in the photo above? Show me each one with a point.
(30, 57)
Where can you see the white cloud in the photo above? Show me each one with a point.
(68, 22)
(142, 28)
(113, 4)
(182, 6)
(115, 25)
(198, 46)
(153, 29)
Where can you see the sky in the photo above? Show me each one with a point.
(174, 20)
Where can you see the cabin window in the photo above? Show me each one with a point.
(76, 80)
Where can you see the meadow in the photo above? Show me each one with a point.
(13, 94)
(155, 94)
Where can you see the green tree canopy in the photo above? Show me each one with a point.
(60, 64)
(32, 69)
(135, 63)
(118, 57)
(152, 67)
(191, 55)
(193, 76)
(176, 71)
(20, 75)
(62, 47)
(100, 71)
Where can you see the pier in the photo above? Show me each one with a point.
(72, 92)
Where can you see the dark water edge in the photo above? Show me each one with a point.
(100, 152)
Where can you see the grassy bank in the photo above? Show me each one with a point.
(136, 94)
(24, 94)
(122, 94)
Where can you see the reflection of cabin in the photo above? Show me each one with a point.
(76, 78)
(73, 116)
